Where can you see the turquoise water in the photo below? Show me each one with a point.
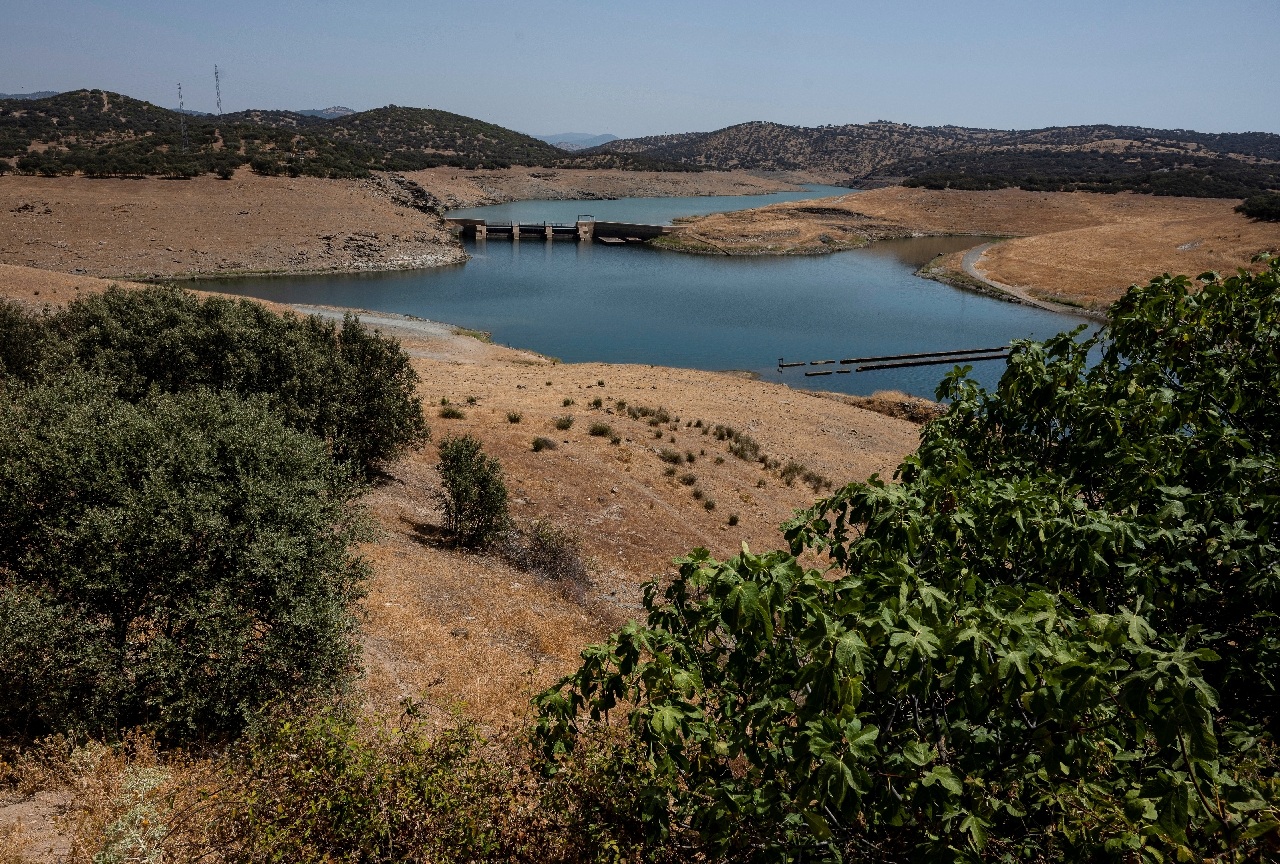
(633, 304)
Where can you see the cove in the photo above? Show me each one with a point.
(585, 302)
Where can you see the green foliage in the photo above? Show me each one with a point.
(474, 496)
(350, 386)
(177, 562)
(327, 788)
(543, 443)
(1265, 206)
(1055, 639)
(322, 789)
(600, 430)
(563, 423)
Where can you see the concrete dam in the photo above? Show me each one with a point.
(585, 228)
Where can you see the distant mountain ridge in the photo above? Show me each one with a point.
(1095, 158)
(39, 94)
(107, 134)
(331, 113)
(573, 141)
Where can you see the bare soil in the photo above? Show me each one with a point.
(174, 229)
(1074, 247)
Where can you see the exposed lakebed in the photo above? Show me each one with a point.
(633, 304)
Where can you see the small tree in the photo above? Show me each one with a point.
(474, 495)
(1265, 207)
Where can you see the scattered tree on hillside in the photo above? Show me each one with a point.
(474, 496)
(1265, 206)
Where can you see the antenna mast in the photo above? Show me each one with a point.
(182, 118)
(217, 87)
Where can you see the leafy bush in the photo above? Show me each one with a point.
(1055, 639)
(175, 563)
(563, 423)
(452, 412)
(350, 386)
(670, 456)
(1265, 206)
(514, 416)
(324, 789)
(542, 443)
(474, 496)
(600, 430)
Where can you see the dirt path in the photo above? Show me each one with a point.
(969, 265)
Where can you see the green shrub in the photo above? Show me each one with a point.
(452, 412)
(597, 402)
(709, 504)
(733, 519)
(688, 479)
(540, 443)
(327, 788)
(563, 423)
(474, 495)
(353, 387)
(175, 563)
(567, 402)
(600, 430)
(514, 416)
(670, 456)
(1265, 206)
(1053, 640)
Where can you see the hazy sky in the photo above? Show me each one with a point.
(652, 66)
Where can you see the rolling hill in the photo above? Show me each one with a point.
(99, 133)
(1093, 158)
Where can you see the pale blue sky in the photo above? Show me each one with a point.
(653, 66)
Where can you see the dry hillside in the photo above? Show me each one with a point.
(1076, 247)
(466, 629)
(152, 228)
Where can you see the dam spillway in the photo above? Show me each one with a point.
(584, 229)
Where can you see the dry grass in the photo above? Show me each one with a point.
(98, 803)
(1073, 247)
(469, 629)
(156, 228)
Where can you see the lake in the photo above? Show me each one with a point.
(633, 304)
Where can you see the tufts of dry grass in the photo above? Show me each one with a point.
(110, 803)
